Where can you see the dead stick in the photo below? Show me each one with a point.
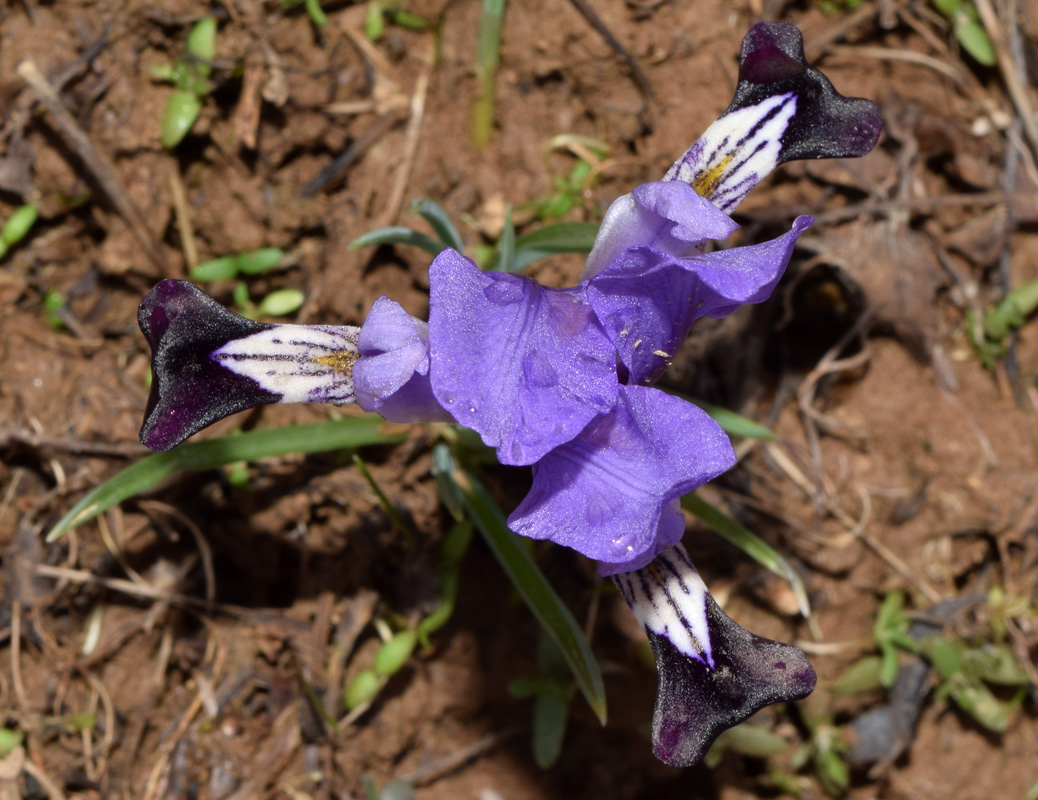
(99, 166)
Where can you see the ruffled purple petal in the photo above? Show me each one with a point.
(648, 301)
(391, 377)
(208, 362)
(667, 216)
(525, 366)
(608, 492)
(783, 109)
(713, 674)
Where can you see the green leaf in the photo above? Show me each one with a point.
(216, 269)
(890, 664)
(181, 111)
(255, 262)
(392, 655)
(201, 43)
(410, 20)
(374, 22)
(506, 254)
(751, 544)
(397, 234)
(550, 713)
(994, 663)
(734, 424)
(488, 56)
(362, 689)
(316, 13)
(281, 302)
(18, 224)
(531, 584)
(547, 240)
(975, 41)
(861, 676)
(433, 213)
(152, 470)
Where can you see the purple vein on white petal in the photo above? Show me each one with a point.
(669, 598)
(302, 363)
(737, 151)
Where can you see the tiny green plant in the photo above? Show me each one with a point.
(17, 227)
(488, 57)
(379, 13)
(313, 10)
(569, 191)
(988, 334)
(278, 303)
(190, 78)
(826, 750)
(552, 691)
(512, 254)
(966, 27)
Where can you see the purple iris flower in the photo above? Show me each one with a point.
(560, 379)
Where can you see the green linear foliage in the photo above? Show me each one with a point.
(438, 219)
(751, 544)
(488, 57)
(398, 234)
(547, 240)
(154, 469)
(735, 424)
(461, 486)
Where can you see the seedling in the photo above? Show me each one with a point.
(989, 334)
(279, 303)
(313, 11)
(552, 691)
(190, 77)
(17, 227)
(512, 253)
(965, 24)
(380, 13)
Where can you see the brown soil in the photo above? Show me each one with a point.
(903, 462)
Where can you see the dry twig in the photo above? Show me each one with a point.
(92, 159)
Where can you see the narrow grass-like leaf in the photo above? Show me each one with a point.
(433, 213)
(488, 56)
(152, 470)
(532, 586)
(751, 544)
(732, 423)
(398, 234)
(736, 424)
(506, 254)
(547, 240)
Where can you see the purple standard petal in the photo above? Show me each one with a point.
(668, 216)
(392, 375)
(609, 492)
(647, 301)
(525, 366)
(208, 362)
(713, 674)
(783, 109)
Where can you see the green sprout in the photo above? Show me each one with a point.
(826, 750)
(570, 191)
(190, 78)
(488, 57)
(989, 334)
(278, 303)
(313, 11)
(379, 13)
(552, 691)
(965, 23)
(509, 255)
(17, 227)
